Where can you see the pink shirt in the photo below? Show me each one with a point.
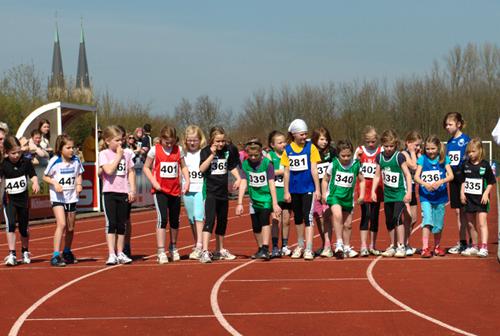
(118, 181)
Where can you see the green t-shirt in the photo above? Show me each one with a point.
(258, 185)
(393, 178)
(279, 181)
(342, 183)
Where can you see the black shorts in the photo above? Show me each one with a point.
(285, 205)
(115, 209)
(260, 218)
(68, 207)
(413, 198)
(455, 202)
(474, 208)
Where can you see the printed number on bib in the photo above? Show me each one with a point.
(391, 179)
(473, 186)
(298, 162)
(279, 181)
(168, 169)
(454, 157)
(67, 183)
(344, 179)
(195, 181)
(430, 176)
(16, 185)
(121, 168)
(219, 167)
(322, 167)
(368, 170)
(257, 179)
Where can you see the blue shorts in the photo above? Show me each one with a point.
(195, 206)
(433, 215)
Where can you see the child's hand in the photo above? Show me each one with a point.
(156, 185)
(36, 188)
(236, 184)
(317, 195)
(361, 200)
(79, 188)
(374, 196)
(239, 209)
(485, 199)
(119, 152)
(407, 198)
(213, 149)
(323, 199)
(287, 197)
(276, 210)
(429, 186)
(185, 188)
(131, 196)
(437, 184)
(58, 188)
(463, 198)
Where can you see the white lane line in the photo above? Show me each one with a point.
(301, 280)
(212, 316)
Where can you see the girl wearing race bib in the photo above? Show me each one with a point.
(258, 175)
(369, 208)
(391, 164)
(432, 174)
(477, 181)
(16, 170)
(64, 177)
(116, 168)
(300, 160)
(164, 163)
(277, 142)
(453, 123)
(338, 192)
(412, 153)
(321, 139)
(194, 139)
(217, 159)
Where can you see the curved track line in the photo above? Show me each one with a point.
(20, 320)
(378, 288)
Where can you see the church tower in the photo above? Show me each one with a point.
(82, 91)
(57, 85)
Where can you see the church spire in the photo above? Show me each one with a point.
(57, 85)
(83, 90)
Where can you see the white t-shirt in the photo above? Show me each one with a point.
(192, 161)
(65, 173)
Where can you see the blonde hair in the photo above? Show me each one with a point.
(475, 143)
(214, 131)
(168, 132)
(433, 139)
(193, 129)
(390, 137)
(412, 136)
(109, 133)
(369, 129)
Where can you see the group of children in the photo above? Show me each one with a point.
(307, 177)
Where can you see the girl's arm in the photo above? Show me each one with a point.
(375, 182)
(407, 174)
(206, 164)
(324, 187)
(418, 180)
(362, 188)
(79, 180)
(131, 182)
(241, 194)
(314, 173)
(272, 189)
(110, 168)
(185, 174)
(486, 195)
(34, 184)
(286, 189)
(411, 159)
(463, 198)
(52, 181)
(146, 169)
(236, 175)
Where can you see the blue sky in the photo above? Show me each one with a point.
(161, 51)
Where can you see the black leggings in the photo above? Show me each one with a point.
(302, 206)
(167, 206)
(216, 208)
(393, 212)
(369, 216)
(11, 211)
(115, 209)
(260, 218)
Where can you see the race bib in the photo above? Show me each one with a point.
(195, 181)
(257, 180)
(121, 169)
(454, 157)
(322, 167)
(219, 167)
(279, 181)
(391, 179)
(430, 176)
(67, 183)
(473, 186)
(16, 185)
(168, 169)
(298, 162)
(368, 169)
(343, 179)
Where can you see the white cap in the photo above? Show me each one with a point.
(297, 126)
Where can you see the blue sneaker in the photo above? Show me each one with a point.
(57, 261)
(276, 253)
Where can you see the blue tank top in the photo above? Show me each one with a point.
(301, 180)
(433, 171)
(455, 150)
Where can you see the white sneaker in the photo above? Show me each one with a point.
(470, 252)
(175, 255)
(10, 260)
(26, 257)
(457, 249)
(285, 251)
(389, 252)
(112, 260)
(223, 254)
(297, 252)
(409, 250)
(308, 254)
(350, 253)
(123, 259)
(374, 252)
(205, 257)
(483, 253)
(196, 254)
(400, 252)
(327, 252)
(364, 252)
(162, 258)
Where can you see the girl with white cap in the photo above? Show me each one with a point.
(301, 184)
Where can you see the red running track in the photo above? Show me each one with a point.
(361, 296)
